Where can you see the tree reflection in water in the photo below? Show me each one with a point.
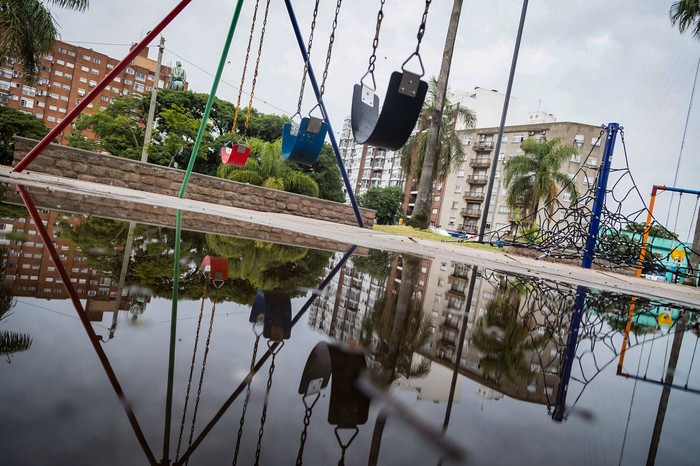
(503, 338)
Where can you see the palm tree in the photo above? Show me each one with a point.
(27, 30)
(266, 168)
(535, 175)
(450, 151)
(687, 14)
(504, 339)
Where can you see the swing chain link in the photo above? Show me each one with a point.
(257, 64)
(308, 58)
(201, 375)
(274, 348)
(247, 397)
(331, 40)
(375, 42)
(421, 28)
(189, 381)
(308, 411)
(245, 67)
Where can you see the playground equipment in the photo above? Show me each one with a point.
(237, 154)
(302, 142)
(390, 128)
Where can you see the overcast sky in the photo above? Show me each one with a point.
(589, 61)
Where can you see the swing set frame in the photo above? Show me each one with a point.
(91, 96)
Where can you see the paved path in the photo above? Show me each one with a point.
(444, 252)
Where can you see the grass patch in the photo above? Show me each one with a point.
(405, 230)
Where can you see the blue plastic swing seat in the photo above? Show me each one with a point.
(303, 144)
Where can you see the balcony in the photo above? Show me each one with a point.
(451, 324)
(481, 162)
(483, 146)
(470, 213)
(477, 179)
(470, 228)
(456, 292)
(471, 196)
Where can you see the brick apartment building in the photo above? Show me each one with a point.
(30, 272)
(67, 75)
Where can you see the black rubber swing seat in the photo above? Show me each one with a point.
(390, 128)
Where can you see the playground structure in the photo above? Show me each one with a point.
(588, 217)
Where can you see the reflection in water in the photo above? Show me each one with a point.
(10, 342)
(410, 316)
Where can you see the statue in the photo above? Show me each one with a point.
(177, 78)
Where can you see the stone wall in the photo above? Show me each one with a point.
(166, 217)
(84, 165)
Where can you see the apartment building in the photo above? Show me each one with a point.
(458, 202)
(30, 271)
(67, 75)
(368, 166)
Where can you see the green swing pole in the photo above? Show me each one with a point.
(178, 232)
(210, 100)
(173, 329)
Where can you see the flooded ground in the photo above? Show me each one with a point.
(284, 353)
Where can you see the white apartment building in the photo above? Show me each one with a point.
(368, 166)
(464, 191)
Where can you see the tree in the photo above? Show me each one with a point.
(266, 168)
(436, 132)
(385, 201)
(15, 123)
(119, 129)
(534, 175)
(503, 338)
(657, 231)
(326, 174)
(449, 151)
(686, 13)
(27, 31)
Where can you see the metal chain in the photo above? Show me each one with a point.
(344, 446)
(421, 28)
(247, 398)
(307, 421)
(245, 67)
(375, 42)
(308, 57)
(201, 377)
(274, 348)
(257, 64)
(330, 46)
(189, 381)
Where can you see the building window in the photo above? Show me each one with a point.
(110, 66)
(595, 142)
(592, 161)
(518, 138)
(94, 71)
(460, 174)
(140, 76)
(129, 71)
(96, 60)
(128, 82)
(458, 189)
(29, 103)
(438, 298)
(83, 80)
(452, 221)
(435, 211)
(138, 87)
(87, 57)
(85, 68)
(566, 197)
(455, 205)
(576, 158)
(92, 83)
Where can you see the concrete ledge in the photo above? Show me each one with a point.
(68, 162)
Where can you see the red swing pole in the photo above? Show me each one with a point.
(73, 114)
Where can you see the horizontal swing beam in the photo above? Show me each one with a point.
(675, 190)
(92, 95)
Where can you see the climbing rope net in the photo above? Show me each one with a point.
(543, 310)
(558, 230)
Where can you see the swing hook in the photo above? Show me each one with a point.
(420, 62)
(374, 83)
